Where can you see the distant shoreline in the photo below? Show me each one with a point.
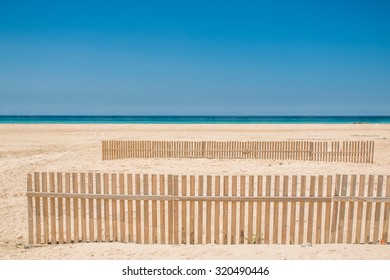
(106, 119)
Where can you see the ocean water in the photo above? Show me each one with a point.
(193, 119)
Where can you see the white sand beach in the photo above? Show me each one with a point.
(77, 148)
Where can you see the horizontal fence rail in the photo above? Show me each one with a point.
(346, 151)
(205, 209)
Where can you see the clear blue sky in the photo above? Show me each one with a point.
(195, 57)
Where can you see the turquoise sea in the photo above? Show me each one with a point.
(193, 119)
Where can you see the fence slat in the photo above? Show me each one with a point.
(45, 209)
(225, 210)
(114, 210)
(293, 210)
(200, 210)
(217, 210)
(341, 225)
(259, 209)
(76, 221)
(311, 211)
(328, 209)
(83, 210)
(367, 230)
(351, 210)
(138, 237)
(99, 226)
(162, 210)
(122, 216)
(386, 215)
(91, 222)
(242, 211)
(175, 210)
(106, 209)
(284, 210)
(60, 210)
(302, 211)
(184, 209)
(378, 209)
(318, 238)
(267, 228)
(275, 235)
(234, 212)
(335, 212)
(170, 210)
(359, 220)
(208, 210)
(146, 208)
(53, 227)
(192, 210)
(154, 210)
(251, 236)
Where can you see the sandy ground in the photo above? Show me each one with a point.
(77, 148)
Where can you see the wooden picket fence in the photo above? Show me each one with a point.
(204, 209)
(346, 151)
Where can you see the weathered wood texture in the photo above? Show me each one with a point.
(346, 151)
(204, 209)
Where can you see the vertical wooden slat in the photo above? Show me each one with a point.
(184, 209)
(170, 209)
(162, 210)
(259, 232)
(83, 209)
(99, 227)
(200, 210)
(293, 209)
(76, 221)
(242, 211)
(138, 237)
(251, 236)
(154, 210)
(267, 228)
(91, 208)
(378, 209)
(335, 211)
(45, 209)
(114, 208)
(284, 210)
(372, 153)
(351, 209)
(318, 239)
(341, 225)
(275, 235)
(311, 210)
(67, 209)
(53, 227)
(386, 214)
(60, 210)
(328, 207)
(225, 214)
(175, 210)
(217, 209)
(192, 210)
(367, 231)
(122, 216)
(359, 217)
(234, 211)
(302, 210)
(146, 206)
(208, 210)
(106, 209)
